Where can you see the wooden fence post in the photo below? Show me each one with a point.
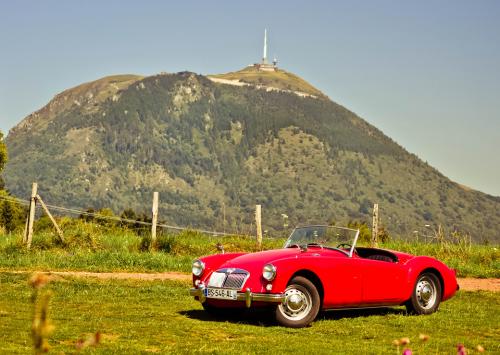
(374, 242)
(155, 218)
(224, 217)
(258, 224)
(25, 233)
(31, 217)
(59, 231)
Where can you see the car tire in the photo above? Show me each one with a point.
(426, 294)
(301, 304)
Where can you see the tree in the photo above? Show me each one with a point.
(11, 214)
(3, 159)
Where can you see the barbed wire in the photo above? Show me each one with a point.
(116, 218)
(14, 200)
(23, 202)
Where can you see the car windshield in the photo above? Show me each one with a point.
(324, 236)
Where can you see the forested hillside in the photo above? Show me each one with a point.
(210, 147)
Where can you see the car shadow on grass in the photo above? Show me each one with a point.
(361, 312)
(258, 317)
(265, 317)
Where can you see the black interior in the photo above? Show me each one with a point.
(377, 254)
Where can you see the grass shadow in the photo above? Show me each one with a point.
(361, 312)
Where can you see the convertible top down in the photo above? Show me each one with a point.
(319, 268)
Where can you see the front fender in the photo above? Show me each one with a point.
(213, 262)
(287, 268)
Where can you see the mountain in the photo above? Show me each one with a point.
(215, 146)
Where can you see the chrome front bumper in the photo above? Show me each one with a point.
(246, 296)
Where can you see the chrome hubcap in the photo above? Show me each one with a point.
(297, 303)
(426, 293)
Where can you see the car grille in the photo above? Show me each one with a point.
(235, 281)
(229, 278)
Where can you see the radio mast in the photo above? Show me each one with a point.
(264, 56)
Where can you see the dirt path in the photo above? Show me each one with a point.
(471, 284)
(115, 275)
(466, 284)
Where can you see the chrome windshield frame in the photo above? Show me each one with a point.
(353, 245)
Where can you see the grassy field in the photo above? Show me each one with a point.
(154, 316)
(117, 251)
(93, 247)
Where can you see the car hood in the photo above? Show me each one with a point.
(257, 260)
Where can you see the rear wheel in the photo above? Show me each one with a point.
(301, 304)
(426, 295)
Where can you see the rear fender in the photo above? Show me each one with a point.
(421, 264)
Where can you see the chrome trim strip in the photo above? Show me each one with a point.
(266, 297)
(324, 225)
(232, 270)
(198, 293)
(246, 296)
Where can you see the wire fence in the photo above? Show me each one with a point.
(73, 211)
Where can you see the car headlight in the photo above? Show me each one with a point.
(198, 267)
(269, 272)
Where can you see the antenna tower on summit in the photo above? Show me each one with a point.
(264, 56)
(264, 65)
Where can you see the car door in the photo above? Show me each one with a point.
(383, 281)
(342, 282)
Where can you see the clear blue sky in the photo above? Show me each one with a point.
(427, 73)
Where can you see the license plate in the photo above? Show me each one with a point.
(220, 293)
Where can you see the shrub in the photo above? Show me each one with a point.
(365, 232)
(12, 215)
(145, 243)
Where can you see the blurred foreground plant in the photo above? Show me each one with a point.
(41, 326)
(91, 340)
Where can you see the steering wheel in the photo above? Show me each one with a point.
(344, 246)
(315, 245)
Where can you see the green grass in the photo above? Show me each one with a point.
(105, 250)
(159, 316)
(93, 247)
(481, 261)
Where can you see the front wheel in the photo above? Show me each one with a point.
(426, 295)
(301, 304)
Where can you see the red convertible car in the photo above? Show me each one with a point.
(321, 268)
